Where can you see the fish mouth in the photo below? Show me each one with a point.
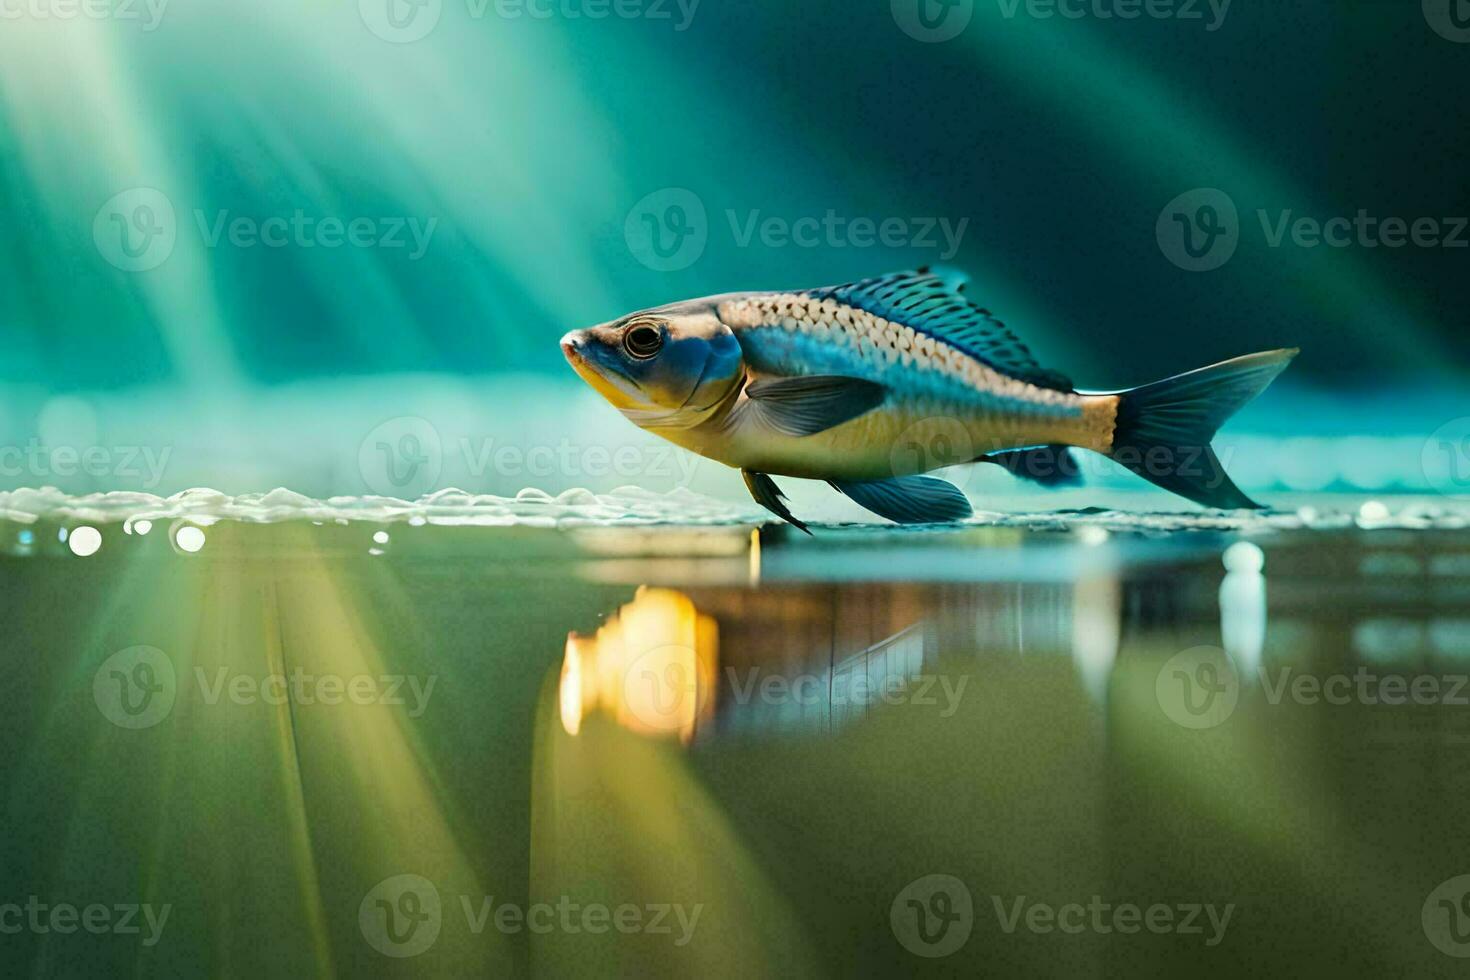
(607, 379)
(571, 347)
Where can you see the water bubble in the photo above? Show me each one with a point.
(85, 541)
(189, 538)
(1244, 557)
(1374, 511)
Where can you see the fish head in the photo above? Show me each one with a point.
(671, 366)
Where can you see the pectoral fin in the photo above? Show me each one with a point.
(910, 499)
(806, 406)
(769, 496)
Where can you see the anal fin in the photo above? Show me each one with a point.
(1046, 466)
(909, 499)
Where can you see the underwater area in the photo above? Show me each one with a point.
(349, 631)
(572, 737)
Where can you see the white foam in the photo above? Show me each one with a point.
(633, 506)
(531, 507)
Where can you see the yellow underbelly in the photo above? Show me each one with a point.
(901, 440)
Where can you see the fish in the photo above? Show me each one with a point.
(833, 384)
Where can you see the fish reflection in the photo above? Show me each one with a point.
(1243, 606)
(1096, 628)
(651, 667)
(800, 659)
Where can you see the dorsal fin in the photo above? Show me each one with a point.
(933, 302)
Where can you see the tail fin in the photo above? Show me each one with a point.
(1164, 429)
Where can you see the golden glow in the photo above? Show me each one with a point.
(572, 689)
(651, 667)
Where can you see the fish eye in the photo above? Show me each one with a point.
(643, 340)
